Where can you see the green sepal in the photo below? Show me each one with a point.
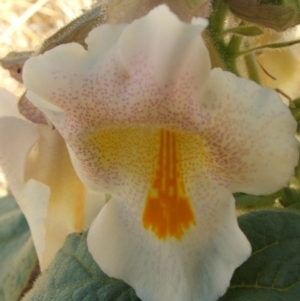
(250, 31)
(296, 102)
(18, 260)
(74, 275)
(75, 31)
(296, 113)
(194, 4)
(272, 272)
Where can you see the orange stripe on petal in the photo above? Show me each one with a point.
(135, 156)
(168, 212)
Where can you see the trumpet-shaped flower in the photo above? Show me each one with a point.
(147, 120)
(37, 166)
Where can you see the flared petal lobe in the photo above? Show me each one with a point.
(249, 136)
(197, 264)
(170, 140)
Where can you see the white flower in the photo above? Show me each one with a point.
(146, 120)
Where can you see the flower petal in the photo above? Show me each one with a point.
(68, 66)
(33, 199)
(141, 51)
(196, 267)
(120, 84)
(67, 210)
(249, 136)
(8, 104)
(54, 201)
(16, 139)
(106, 77)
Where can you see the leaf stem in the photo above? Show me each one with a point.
(252, 66)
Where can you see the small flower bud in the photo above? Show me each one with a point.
(275, 14)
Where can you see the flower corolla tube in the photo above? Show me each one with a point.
(145, 119)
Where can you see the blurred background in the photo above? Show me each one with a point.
(24, 24)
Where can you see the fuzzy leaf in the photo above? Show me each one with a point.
(74, 275)
(272, 272)
(247, 202)
(18, 258)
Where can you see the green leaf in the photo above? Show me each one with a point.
(295, 206)
(247, 202)
(250, 31)
(18, 258)
(290, 197)
(74, 275)
(272, 272)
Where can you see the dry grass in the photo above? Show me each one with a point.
(24, 24)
